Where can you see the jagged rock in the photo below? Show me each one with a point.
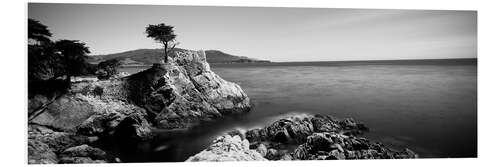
(84, 151)
(48, 146)
(297, 128)
(318, 138)
(84, 154)
(79, 160)
(65, 113)
(340, 146)
(301, 152)
(272, 154)
(324, 124)
(228, 148)
(59, 141)
(336, 154)
(40, 153)
(320, 142)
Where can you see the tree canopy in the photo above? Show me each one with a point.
(74, 56)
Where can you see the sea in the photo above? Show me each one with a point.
(428, 106)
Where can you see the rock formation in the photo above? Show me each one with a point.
(175, 95)
(228, 148)
(313, 137)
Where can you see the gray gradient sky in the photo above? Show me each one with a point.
(277, 34)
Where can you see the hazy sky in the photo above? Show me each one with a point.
(277, 34)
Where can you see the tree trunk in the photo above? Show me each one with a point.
(68, 79)
(166, 55)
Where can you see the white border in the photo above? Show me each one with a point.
(13, 64)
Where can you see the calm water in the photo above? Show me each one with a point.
(429, 108)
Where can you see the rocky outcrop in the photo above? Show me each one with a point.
(315, 137)
(297, 128)
(334, 146)
(46, 146)
(175, 95)
(228, 148)
(125, 109)
(185, 91)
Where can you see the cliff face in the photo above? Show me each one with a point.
(178, 94)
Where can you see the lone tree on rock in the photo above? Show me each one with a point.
(163, 34)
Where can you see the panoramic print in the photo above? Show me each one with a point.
(160, 83)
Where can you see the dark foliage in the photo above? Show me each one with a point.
(163, 34)
(74, 56)
(49, 88)
(43, 62)
(38, 32)
(49, 62)
(107, 69)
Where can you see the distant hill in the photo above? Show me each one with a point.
(150, 56)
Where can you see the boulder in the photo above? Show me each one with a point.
(65, 113)
(262, 150)
(84, 151)
(272, 154)
(84, 154)
(228, 148)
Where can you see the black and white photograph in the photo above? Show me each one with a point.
(202, 84)
(163, 83)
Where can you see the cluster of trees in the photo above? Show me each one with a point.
(55, 60)
(51, 60)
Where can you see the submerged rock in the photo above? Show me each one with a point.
(228, 148)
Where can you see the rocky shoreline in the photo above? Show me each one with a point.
(96, 118)
(300, 137)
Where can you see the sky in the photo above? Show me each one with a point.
(276, 34)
